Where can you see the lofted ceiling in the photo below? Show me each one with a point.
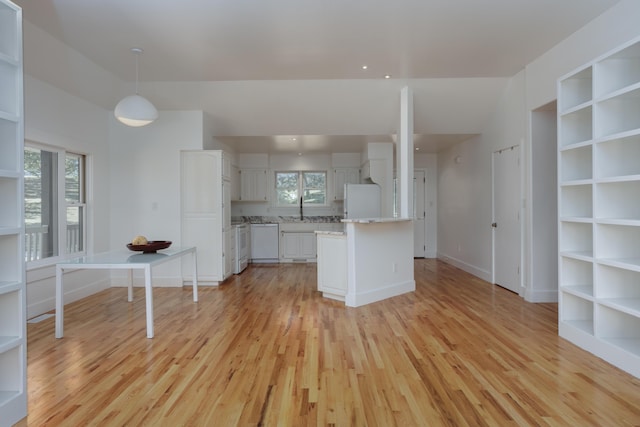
(236, 40)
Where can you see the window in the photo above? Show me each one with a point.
(54, 219)
(290, 186)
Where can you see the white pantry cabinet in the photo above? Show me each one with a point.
(253, 185)
(13, 321)
(599, 207)
(206, 214)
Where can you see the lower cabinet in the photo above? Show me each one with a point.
(332, 265)
(298, 246)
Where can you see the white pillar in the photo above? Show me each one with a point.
(404, 155)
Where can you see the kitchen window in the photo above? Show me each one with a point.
(311, 186)
(55, 206)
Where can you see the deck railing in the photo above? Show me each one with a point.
(36, 240)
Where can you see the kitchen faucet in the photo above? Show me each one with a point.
(301, 216)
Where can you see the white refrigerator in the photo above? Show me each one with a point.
(362, 201)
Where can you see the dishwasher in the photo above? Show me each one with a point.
(264, 243)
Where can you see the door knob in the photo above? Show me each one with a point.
(494, 224)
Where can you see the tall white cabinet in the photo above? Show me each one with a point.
(599, 207)
(13, 322)
(206, 213)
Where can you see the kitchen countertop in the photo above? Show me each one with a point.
(286, 219)
(374, 220)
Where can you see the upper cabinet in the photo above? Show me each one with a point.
(253, 185)
(342, 176)
(13, 317)
(599, 207)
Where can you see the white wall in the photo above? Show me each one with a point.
(55, 118)
(145, 183)
(464, 187)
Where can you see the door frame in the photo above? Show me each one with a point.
(521, 210)
(425, 203)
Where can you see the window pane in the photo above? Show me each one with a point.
(314, 187)
(73, 178)
(75, 229)
(41, 207)
(287, 188)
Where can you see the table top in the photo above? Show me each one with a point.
(125, 258)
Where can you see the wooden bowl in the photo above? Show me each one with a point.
(151, 246)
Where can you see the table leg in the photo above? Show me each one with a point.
(149, 300)
(130, 287)
(195, 275)
(59, 304)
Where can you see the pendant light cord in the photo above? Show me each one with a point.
(137, 56)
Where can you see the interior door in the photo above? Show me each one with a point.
(419, 210)
(506, 218)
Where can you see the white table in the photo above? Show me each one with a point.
(122, 260)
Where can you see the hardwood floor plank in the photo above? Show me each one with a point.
(265, 349)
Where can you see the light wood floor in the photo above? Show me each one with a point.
(266, 349)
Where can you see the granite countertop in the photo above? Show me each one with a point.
(286, 219)
(331, 233)
(374, 220)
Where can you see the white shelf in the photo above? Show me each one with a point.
(599, 207)
(576, 90)
(618, 71)
(618, 114)
(584, 291)
(576, 127)
(8, 342)
(13, 363)
(576, 202)
(576, 164)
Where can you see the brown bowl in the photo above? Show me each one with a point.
(151, 246)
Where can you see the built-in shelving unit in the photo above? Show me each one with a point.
(13, 322)
(599, 207)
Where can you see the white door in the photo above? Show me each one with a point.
(506, 218)
(419, 211)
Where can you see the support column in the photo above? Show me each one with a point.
(404, 155)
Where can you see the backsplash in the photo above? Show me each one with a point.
(281, 219)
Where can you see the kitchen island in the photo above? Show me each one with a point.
(378, 262)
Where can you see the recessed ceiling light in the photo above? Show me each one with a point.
(299, 154)
(293, 139)
(417, 148)
(364, 67)
(387, 76)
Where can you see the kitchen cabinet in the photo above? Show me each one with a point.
(206, 214)
(298, 246)
(235, 183)
(13, 317)
(253, 185)
(342, 176)
(332, 265)
(599, 207)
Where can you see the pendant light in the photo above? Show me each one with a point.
(135, 110)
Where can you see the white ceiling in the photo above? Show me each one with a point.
(230, 40)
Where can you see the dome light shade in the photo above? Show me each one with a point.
(135, 110)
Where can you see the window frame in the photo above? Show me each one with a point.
(300, 188)
(62, 204)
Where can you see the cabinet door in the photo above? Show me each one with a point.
(290, 243)
(201, 176)
(206, 234)
(235, 183)
(253, 185)
(307, 245)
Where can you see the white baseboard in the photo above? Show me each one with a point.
(471, 269)
(357, 300)
(544, 295)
